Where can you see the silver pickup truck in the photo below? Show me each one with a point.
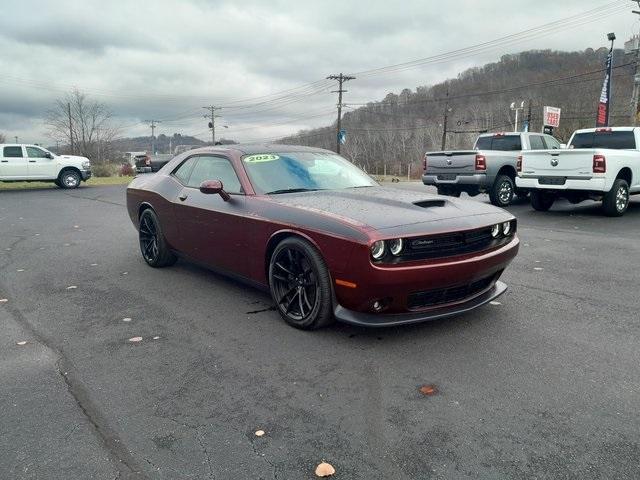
(489, 168)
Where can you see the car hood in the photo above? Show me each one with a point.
(73, 158)
(405, 211)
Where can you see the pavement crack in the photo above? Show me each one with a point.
(268, 309)
(263, 457)
(206, 453)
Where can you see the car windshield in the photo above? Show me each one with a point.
(274, 173)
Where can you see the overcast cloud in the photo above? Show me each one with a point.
(165, 60)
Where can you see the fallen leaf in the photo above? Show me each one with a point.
(71, 287)
(20, 270)
(429, 389)
(21, 343)
(156, 338)
(325, 470)
(126, 319)
(259, 433)
(135, 339)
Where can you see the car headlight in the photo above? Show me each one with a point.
(377, 250)
(395, 246)
(506, 228)
(86, 165)
(495, 230)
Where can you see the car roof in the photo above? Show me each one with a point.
(613, 129)
(253, 148)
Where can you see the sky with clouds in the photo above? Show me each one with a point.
(166, 60)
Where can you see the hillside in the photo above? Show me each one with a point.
(391, 133)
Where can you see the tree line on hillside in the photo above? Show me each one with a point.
(389, 135)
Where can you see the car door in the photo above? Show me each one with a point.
(13, 164)
(213, 231)
(42, 164)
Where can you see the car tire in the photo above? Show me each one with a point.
(153, 245)
(616, 200)
(300, 284)
(69, 179)
(502, 191)
(449, 191)
(541, 201)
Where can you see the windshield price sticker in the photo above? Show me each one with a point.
(261, 158)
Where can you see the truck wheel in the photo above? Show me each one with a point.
(616, 200)
(449, 191)
(541, 201)
(501, 193)
(69, 178)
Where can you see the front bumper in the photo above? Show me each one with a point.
(85, 174)
(387, 320)
(594, 184)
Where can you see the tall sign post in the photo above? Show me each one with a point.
(602, 116)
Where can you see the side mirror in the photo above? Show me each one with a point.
(48, 155)
(212, 187)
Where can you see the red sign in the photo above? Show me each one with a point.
(551, 117)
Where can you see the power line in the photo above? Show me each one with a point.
(341, 79)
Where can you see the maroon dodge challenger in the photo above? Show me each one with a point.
(324, 238)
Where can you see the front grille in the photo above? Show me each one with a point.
(430, 298)
(447, 245)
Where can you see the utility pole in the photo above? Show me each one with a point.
(444, 123)
(153, 134)
(16, 137)
(529, 116)
(341, 79)
(517, 109)
(212, 121)
(635, 45)
(70, 127)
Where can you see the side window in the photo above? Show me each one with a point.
(215, 168)
(34, 152)
(183, 171)
(536, 142)
(13, 152)
(551, 142)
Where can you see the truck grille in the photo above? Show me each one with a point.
(430, 298)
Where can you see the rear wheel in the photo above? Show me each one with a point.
(502, 191)
(69, 179)
(153, 245)
(541, 201)
(300, 284)
(616, 200)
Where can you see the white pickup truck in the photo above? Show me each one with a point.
(599, 164)
(32, 163)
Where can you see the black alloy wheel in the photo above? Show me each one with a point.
(300, 284)
(153, 245)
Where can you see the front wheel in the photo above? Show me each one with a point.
(300, 284)
(153, 245)
(69, 179)
(541, 201)
(502, 191)
(616, 200)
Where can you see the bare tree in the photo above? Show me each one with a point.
(84, 126)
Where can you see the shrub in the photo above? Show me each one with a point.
(126, 170)
(104, 170)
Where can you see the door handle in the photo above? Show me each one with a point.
(5, 161)
(183, 196)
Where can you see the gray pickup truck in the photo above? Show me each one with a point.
(489, 168)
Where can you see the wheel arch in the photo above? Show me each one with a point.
(67, 168)
(277, 237)
(625, 174)
(144, 206)
(507, 170)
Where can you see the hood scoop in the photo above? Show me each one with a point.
(429, 203)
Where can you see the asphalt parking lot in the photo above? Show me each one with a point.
(544, 385)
